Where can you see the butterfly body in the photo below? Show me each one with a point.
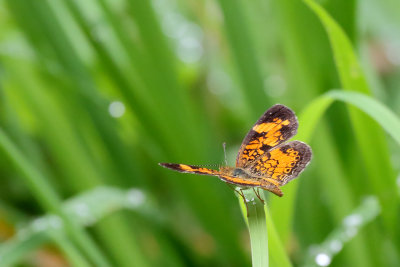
(265, 160)
(241, 177)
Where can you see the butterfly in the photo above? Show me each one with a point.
(265, 160)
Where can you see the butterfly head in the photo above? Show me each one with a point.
(226, 170)
(233, 172)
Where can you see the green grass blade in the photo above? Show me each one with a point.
(323, 253)
(245, 56)
(277, 253)
(48, 198)
(308, 121)
(86, 209)
(376, 160)
(70, 250)
(257, 229)
(376, 110)
(310, 118)
(311, 115)
(266, 246)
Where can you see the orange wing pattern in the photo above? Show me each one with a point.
(277, 125)
(282, 163)
(190, 169)
(264, 160)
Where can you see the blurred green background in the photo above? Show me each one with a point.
(97, 92)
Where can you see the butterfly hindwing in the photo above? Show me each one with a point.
(283, 163)
(277, 125)
(264, 160)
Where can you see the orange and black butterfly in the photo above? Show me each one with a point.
(264, 159)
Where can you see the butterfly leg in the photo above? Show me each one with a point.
(258, 195)
(245, 201)
(240, 193)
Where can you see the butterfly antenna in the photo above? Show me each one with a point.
(224, 146)
(206, 165)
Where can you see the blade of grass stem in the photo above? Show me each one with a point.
(97, 204)
(260, 236)
(367, 211)
(311, 115)
(70, 250)
(245, 57)
(49, 199)
(257, 229)
(277, 253)
(76, 163)
(368, 135)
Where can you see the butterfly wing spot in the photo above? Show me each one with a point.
(268, 127)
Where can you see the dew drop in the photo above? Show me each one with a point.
(335, 246)
(39, 224)
(352, 220)
(55, 222)
(82, 210)
(189, 49)
(135, 198)
(323, 259)
(116, 109)
(351, 232)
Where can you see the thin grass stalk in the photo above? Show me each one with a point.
(49, 200)
(188, 131)
(78, 165)
(277, 253)
(376, 161)
(302, 75)
(266, 246)
(245, 57)
(254, 214)
(71, 252)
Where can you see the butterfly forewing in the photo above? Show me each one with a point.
(190, 169)
(264, 159)
(277, 125)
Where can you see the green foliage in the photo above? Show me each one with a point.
(93, 94)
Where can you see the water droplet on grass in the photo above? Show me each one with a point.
(135, 198)
(116, 109)
(335, 246)
(55, 222)
(39, 224)
(323, 259)
(353, 220)
(83, 211)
